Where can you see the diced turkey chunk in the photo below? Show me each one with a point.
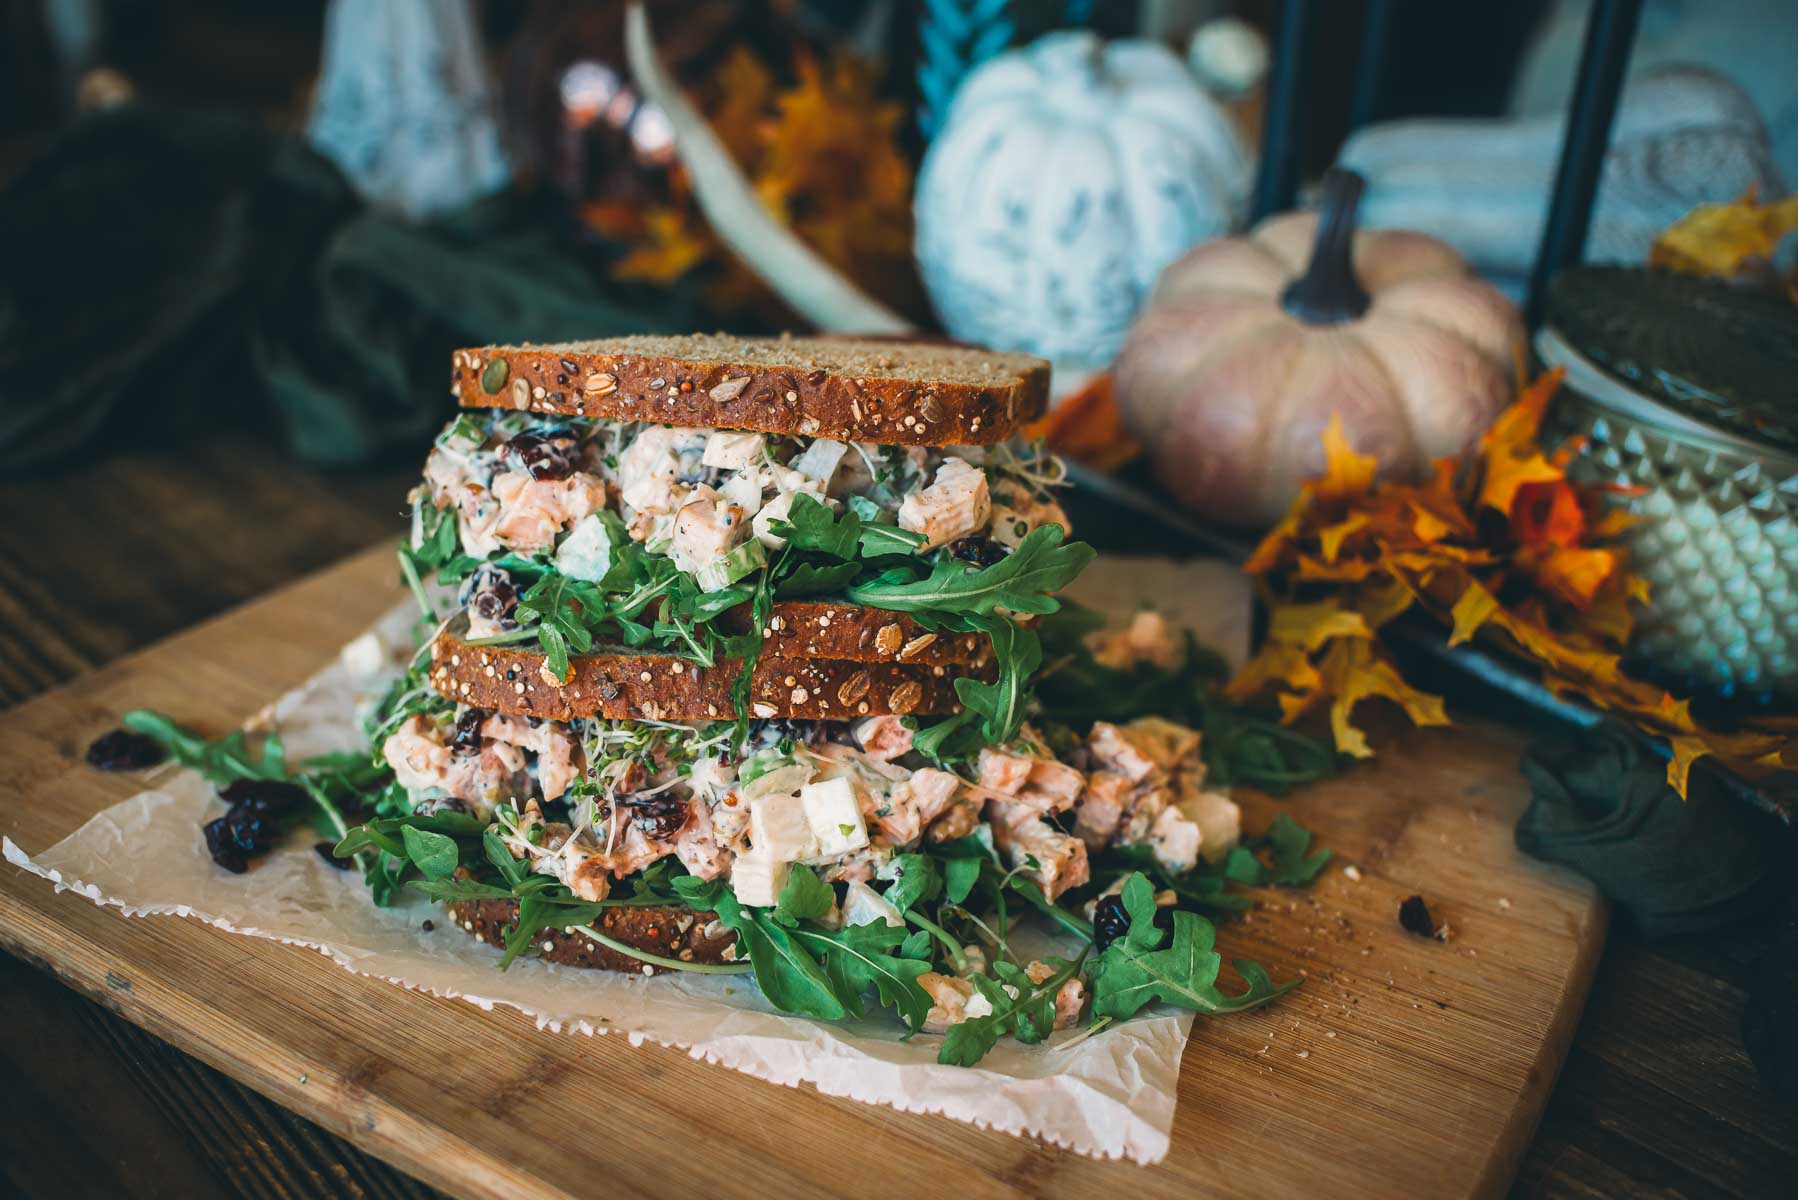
(1175, 841)
(1101, 808)
(1217, 816)
(532, 512)
(1017, 510)
(1054, 860)
(882, 738)
(952, 1001)
(1147, 639)
(1070, 997)
(731, 451)
(559, 760)
(1003, 772)
(1113, 750)
(819, 460)
(1162, 742)
(960, 819)
(705, 529)
(955, 504)
(1054, 782)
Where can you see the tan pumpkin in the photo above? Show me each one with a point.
(1249, 344)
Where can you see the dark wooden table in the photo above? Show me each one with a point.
(1657, 1096)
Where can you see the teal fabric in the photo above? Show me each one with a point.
(160, 270)
(1602, 806)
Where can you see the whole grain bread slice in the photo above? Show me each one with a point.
(677, 933)
(891, 392)
(856, 633)
(623, 685)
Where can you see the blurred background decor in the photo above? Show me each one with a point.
(1251, 346)
(1064, 178)
(1684, 136)
(404, 107)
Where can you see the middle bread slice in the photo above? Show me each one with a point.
(625, 684)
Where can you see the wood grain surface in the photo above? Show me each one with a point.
(1656, 1096)
(1404, 1062)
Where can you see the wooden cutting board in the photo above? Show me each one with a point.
(1404, 1066)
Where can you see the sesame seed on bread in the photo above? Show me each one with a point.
(891, 392)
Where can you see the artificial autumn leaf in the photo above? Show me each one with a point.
(1088, 427)
(1346, 473)
(1540, 582)
(1352, 672)
(1725, 240)
(1509, 451)
(1472, 610)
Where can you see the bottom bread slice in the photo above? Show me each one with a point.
(678, 933)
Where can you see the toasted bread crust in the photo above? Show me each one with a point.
(610, 380)
(677, 933)
(857, 633)
(626, 686)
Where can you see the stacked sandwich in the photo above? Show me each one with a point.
(738, 665)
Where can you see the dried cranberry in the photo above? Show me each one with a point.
(124, 750)
(1415, 916)
(324, 849)
(491, 594)
(1111, 921)
(546, 453)
(467, 736)
(272, 798)
(660, 817)
(223, 847)
(982, 552)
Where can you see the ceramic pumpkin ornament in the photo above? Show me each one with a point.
(1250, 344)
(1066, 176)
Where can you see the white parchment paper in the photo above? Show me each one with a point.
(1110, 1094)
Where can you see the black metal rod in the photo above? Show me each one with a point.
(1282, 126)
(1370, 68)
(1610, 31)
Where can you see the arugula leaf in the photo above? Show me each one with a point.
(969, 1041)
(1289, 841)
(809, 579)
(1135, 971)
(1000, 704)
(450, 890)
(535, 914)
(1022, 581)
(959, 877)
(510, 869)
(221, 761)
(432, 853)
(860, 956)
(810, 525)
(804, 898)
(919, 880)
(878, 540)
(787, 974)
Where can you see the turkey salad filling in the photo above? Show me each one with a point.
(713, 502)
(585, 533)
(591, 803)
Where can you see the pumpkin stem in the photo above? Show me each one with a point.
(1328, 293)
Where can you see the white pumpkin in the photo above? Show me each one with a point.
(1066, 176)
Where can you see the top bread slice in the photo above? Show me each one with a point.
(888, 392)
